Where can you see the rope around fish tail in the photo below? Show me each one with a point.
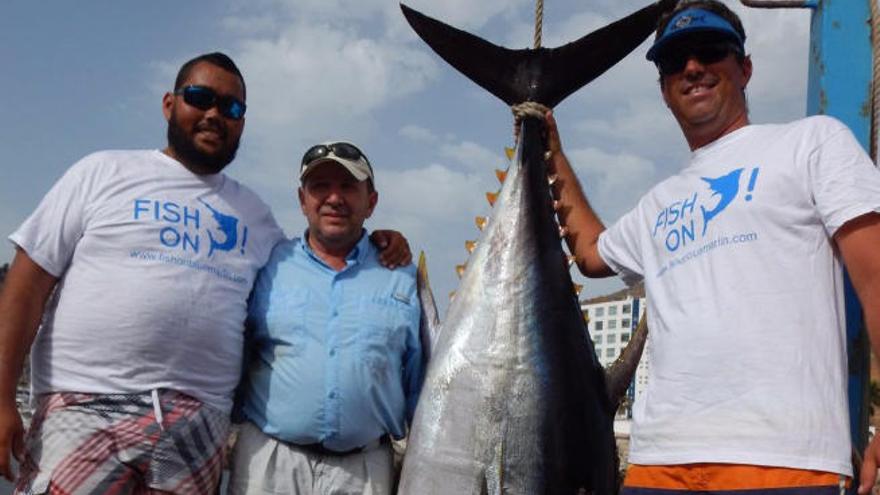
(539, 22)
(526, 109)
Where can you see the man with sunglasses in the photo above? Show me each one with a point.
(142, 262)
(741, 254)
(337, 362)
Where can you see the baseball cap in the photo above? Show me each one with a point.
(341, 152)
(691, 21)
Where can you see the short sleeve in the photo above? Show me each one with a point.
(50, 234)
(844, 182)
(619, 247)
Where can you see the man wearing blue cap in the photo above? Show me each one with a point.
(741, 253)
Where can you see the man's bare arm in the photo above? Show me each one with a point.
(575, 212)
(25, 291)
(859, 244)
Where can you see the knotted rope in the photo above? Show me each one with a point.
(531, 108)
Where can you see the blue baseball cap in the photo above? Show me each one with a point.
(690, 21)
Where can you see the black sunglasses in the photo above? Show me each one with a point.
(674, 59)
(203, 98)
(341, 149)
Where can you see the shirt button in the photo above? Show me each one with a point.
(332, 352)
(332, 395)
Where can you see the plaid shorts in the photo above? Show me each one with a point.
(123, 444)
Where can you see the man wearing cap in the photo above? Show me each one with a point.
(741, 253)
(336, 368)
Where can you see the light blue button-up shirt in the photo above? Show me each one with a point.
(337, 354)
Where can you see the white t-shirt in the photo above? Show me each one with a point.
(156, 264)
(745, 298)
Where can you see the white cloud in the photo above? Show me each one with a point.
(474, 156)
(435, 206)
(613, 182)
(417, 133)
(467, 14)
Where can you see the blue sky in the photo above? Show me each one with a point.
(83, 76)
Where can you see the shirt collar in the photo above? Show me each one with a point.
(357, 255)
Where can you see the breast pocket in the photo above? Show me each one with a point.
(286, 320)
(382, 336)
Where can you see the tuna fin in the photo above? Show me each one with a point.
(481, 222)
(429, 322)
(542, 75)
(620, 374)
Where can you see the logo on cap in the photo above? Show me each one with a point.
(686, 20)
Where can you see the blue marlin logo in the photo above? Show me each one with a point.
(727, 187)
(228, 225)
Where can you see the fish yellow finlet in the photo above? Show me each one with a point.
(501, 174)
(459, 269)
(492, 197)
(509, 152)
(481, 222)
(470, 246)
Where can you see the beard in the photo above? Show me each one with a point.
(195, 159)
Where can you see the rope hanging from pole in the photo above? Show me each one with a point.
(875, 79)
(539, 21)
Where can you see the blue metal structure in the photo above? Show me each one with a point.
(840, 85)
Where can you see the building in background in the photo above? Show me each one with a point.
(611, 320)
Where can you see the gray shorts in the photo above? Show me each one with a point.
(262, 464)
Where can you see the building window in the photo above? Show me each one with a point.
(609, 352)
(627, 308)
(624, 323)
(597, 339)
(612, 324)
(600, 311)
(624, 337)
(612, 310)
(611, 338)
(597, 325)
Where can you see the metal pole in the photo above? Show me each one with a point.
(841, 85)
(781, 4)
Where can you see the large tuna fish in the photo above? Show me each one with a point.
(514, 399)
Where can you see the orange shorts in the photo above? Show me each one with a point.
(728, 478)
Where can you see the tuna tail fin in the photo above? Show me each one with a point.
(429, 322)
(542, 75)
(620, 374)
